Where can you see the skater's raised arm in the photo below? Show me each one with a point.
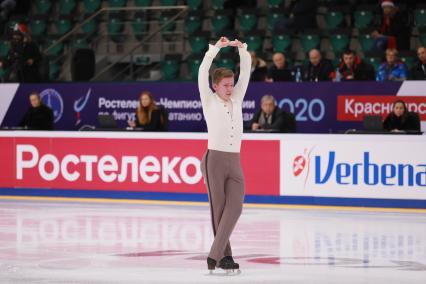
(245, 66)
(203, 72)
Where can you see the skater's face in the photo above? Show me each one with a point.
(224, 88)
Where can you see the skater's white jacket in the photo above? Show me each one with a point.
(225, 129)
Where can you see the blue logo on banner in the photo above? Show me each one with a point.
(53, 99)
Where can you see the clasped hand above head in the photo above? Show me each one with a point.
(224, 42)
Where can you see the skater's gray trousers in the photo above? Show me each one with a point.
(224, 180)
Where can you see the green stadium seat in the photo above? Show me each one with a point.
(54, 71)
(115, 29)
(420, 17)
(310, 41)
(274, 15)
(194, 4)
(363, 19)
(220, 22)
(67, 7)
(334, 19)
(168, 2)
(139, 26)
(193, 23)
(166, 16)
(226, 62)
(254, 42)
(42, 7)
(275, 3)
(142, 3)
(4, 73)
(194, 63)
(218, 4)
(170, 66)
(374, 61)
(79, 43)
(90, 27)
(422, 38)
(281, 43)
(4, 47)
(409, 61)
(63, 26)
(247, 20)
(409, 57)
(366, 41)
(91, 6)
(56, 50)
(339, 41)
(199, 42)
(37, 27)
(117, 3)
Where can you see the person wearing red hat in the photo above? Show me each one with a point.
(394, 29)
(22, 60)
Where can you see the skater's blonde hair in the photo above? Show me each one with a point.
(220, 73)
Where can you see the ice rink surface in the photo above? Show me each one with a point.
(71, 242)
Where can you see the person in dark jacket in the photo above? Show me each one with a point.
(38, 116)
(149, 115)
(418, 72)
(270, 117)
(318, 69)
(279, 71)
(259, 68)
(352, 68)
(394, 28)
(23, 58)
(400, 119)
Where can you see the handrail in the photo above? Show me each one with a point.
(184, 8)
(109, 9)
(141, 43)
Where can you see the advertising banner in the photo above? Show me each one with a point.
(123, 164)
(371, 166)
(323, 107)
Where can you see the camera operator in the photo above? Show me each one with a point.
(23, 57)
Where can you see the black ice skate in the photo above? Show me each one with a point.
(227, 263)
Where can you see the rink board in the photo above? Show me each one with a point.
(330, 170)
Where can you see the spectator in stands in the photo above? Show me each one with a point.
(272, 118)
(318, 69)
(259, 69)
(393, 69)
(418, 72)
(394, 29)
(352, 68)
(400, 119)
(149, 115)
(23, 57)
(38, 116)
(278, 71)
(301, 16)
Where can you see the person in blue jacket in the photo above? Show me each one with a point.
(393, 69)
